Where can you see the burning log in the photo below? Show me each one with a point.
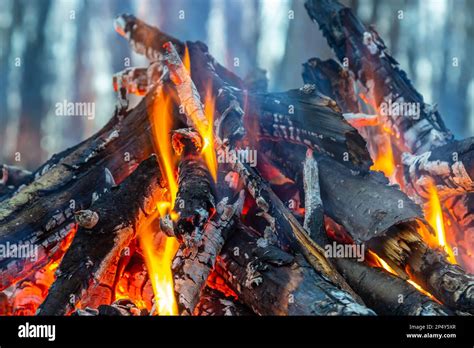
(449, 167)
(273, 282)
(193, 264)
(42, 212)
(384, 293)
(195, 197)
(365, 205)
(285, 116)
(38, 225)
(305, 117)
(371, 64)
(283, 225)
(120, 213)
(405, 251)
(388, 210)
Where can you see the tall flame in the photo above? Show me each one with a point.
(158, 262)
(208, 150)
(161, 121)
(434, 215)
(158, 259)
(205, 130)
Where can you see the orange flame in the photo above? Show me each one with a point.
(382, 264)
(383, 154)
(162, 123)
(205, 130)
(207, 133)
(434, 215)
(384, 160)
(158, 263)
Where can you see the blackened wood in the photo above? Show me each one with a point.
(333, 81)
(121, 213)
(44, 222)
(305, 117)
(194, 200)
(272, 282)
(313, 205)
(285, 227)
(193, 263)
(364, 204)
(405, 251)
(385, 293)
(450, 167)
(42, 211)
(369, 61)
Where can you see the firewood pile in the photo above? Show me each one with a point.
(213, 196)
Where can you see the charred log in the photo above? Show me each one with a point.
(385, 293)
(120, 212)
(41, 213)
(405, 251)
(369, 61)
(450, 168)
(273, 282)
(193, 264)
(285, 227)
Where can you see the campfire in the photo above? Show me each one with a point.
(213, 196)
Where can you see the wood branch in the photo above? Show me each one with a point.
(195, 200)
(272, 282)
(283, 225)
(271, 111)
(42, 212)
(332, 80)
(120, 212)
(313, 205)
(385, 293)
(307, 118)
(382, 292)
(449, 167)
(373, 66)
(404, 250)
(193, 264)
(214, 303)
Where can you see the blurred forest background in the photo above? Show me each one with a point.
(56, 50)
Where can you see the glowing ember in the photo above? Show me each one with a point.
(434, 215)
(158, 262)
